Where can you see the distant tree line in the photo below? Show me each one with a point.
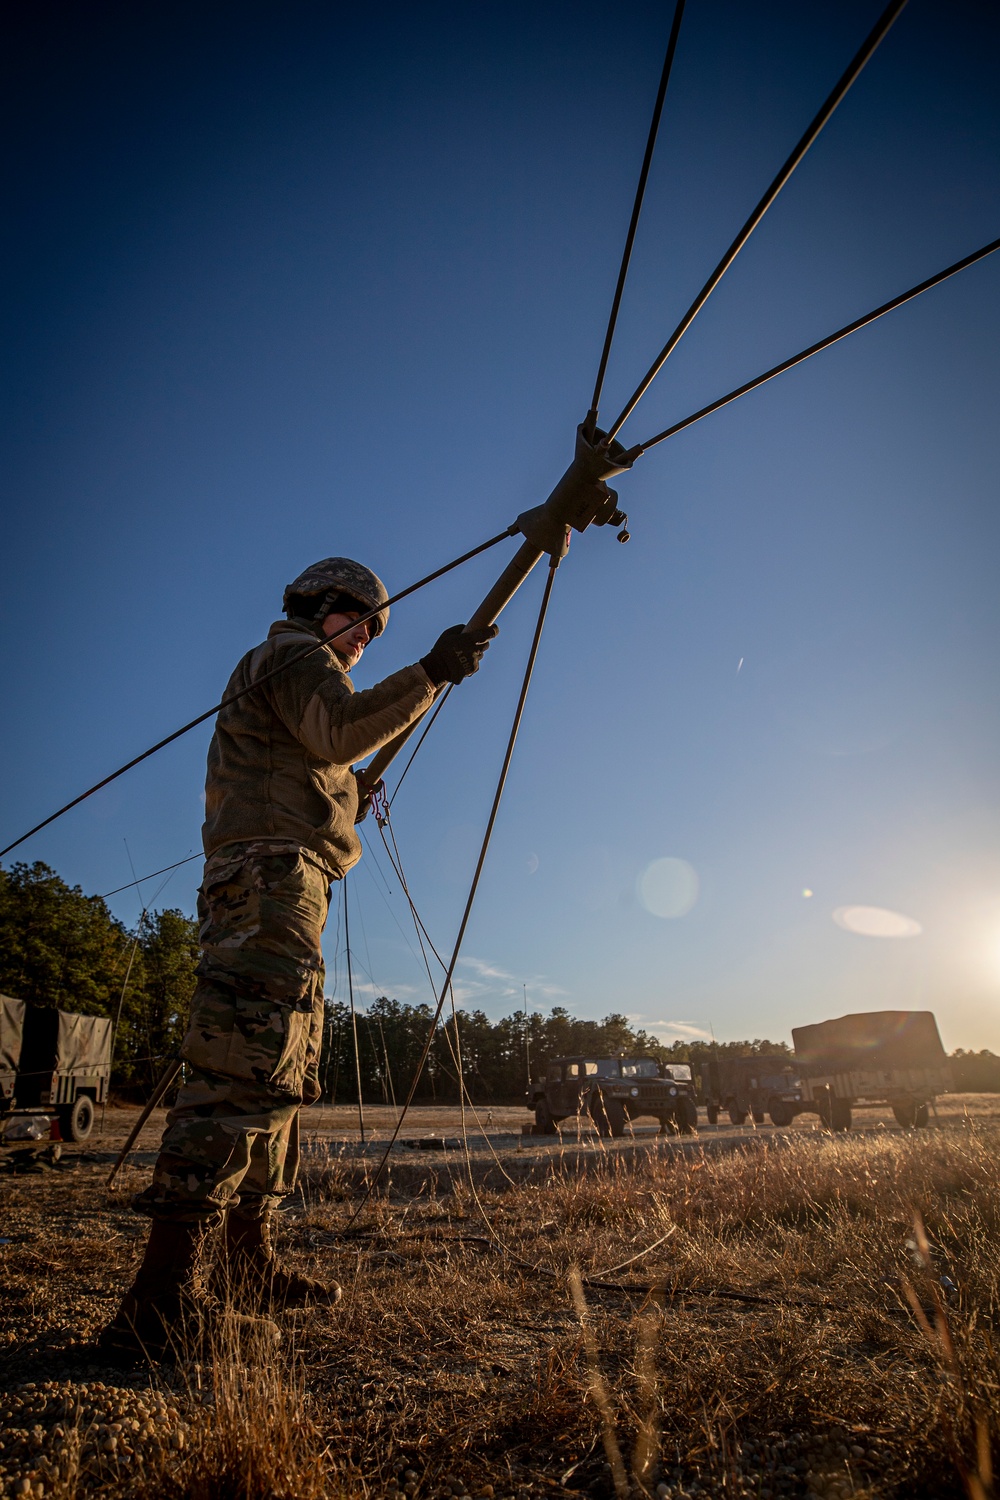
(62, 948)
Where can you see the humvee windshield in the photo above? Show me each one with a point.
(639, 1067)
(679, 1072)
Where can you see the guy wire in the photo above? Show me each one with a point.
(426, 731)
(498, 794)
(854, 68)
(251, 687)
(418, 923)
(354, 1019)
(833, 338)
(654, 126)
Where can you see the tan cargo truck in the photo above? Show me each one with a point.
(892, 1057)
(53, 1065)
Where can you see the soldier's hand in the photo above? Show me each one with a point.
(457, 653)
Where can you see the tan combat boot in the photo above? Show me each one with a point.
(254, 1278)
(167, 1313)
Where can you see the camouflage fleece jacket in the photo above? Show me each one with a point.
(279, 766)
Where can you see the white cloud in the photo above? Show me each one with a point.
(484, 969)
(687, 1030)
(876, 921)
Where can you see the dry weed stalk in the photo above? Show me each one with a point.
(971, 1409)
(597, 1386)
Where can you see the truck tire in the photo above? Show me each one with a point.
(76, 1120)
(834, 1113)
(687, 1116)
(758, 1116)
(781, 1113)
(544, 1120)
(905, 1113)
(921, 1115)
(737, 1116)
(608, 1115)
(712, 1111)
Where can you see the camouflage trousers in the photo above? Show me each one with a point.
(253, 1040)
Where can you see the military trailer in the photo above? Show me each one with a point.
(54, 1064)
(892, 1057)
(614, 1091)
(753, 1087)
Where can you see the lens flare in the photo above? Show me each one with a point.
(668, 887)
(876, 921)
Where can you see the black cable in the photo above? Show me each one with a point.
(354, 1019)
(833, 338)
(152, 876)
(449, 974)
(854, 68)
(654, 126)
(427, 729)
(265, 677)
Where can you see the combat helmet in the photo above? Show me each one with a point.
(326, 581)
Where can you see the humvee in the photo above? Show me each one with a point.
(613, 1091)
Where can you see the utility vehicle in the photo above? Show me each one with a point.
(614, 1091)
(753, 1087)
(53, 1064)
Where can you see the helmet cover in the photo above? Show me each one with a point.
(341, 575)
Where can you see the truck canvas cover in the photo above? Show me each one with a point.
(56, 1041)
(83, 1043)
(873, 1041)
(11, 1031)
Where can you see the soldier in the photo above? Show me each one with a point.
(280, 808)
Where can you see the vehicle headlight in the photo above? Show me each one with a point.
(672, 1092)
(634, 1093)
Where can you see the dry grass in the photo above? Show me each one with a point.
(851, 1367)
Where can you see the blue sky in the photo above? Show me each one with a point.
(286, 282)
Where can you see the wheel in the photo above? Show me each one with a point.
(608, 1115)
(906, 1114)
(921, 1115)
(712, 1111)
(781, 1113)
(687, 1116)
(76, 1120)
(544, 1122)
(737, 1116)
(835, 1113)
(758, 1116)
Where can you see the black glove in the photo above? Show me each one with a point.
(457, 653)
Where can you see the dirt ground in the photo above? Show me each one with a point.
(740, 1327)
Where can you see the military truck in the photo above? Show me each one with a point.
(54, 1064)
(614, 1091)
(892, 1057)
(753, 1087)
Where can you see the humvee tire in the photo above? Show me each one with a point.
(921, 1116)
(686, 1116)
(905, 1114)
(758, 1116)
(545, 1123)
(712, 1111)
(76, 1120)
(781, 1113)
(737, 1116)
(608, 1115)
